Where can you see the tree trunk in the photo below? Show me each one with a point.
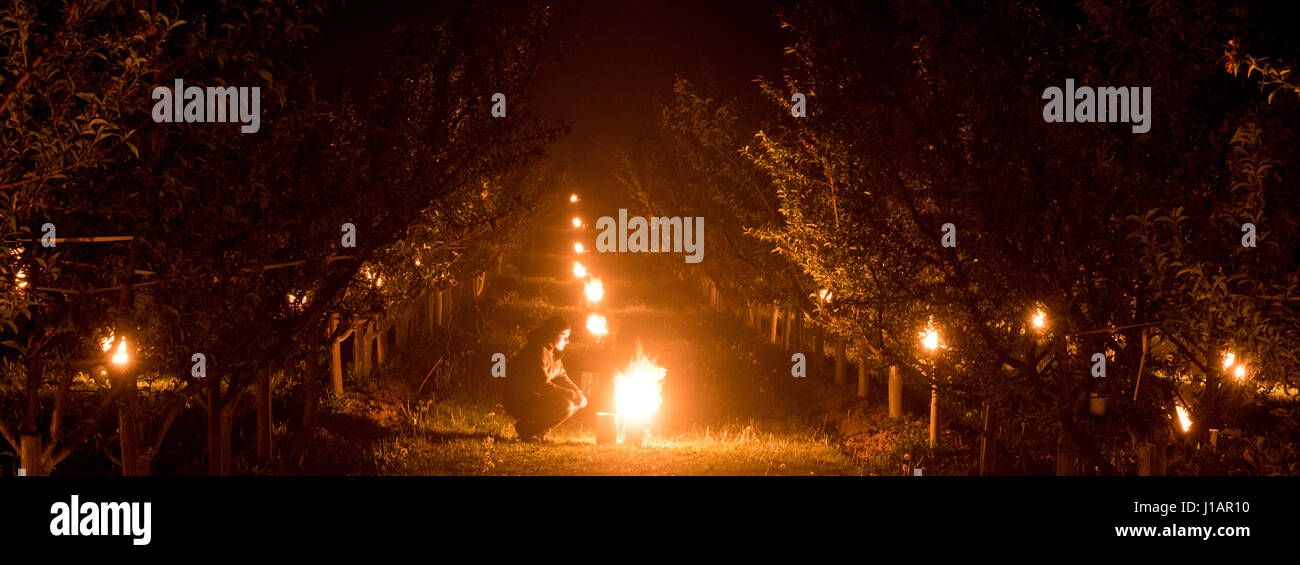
(789, 325)
(437, 319)
(839, 361)
(30, 459)
(214, 426)
(819, 350)
(895, 393)
(1066, 455)
(863, 384)
(128, 426)
(30, 437)
(989, 443)
(336, 361)
(776, 314)
(265, 430)
(934, 416)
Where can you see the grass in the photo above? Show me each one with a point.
(730, 407)
(473, 439)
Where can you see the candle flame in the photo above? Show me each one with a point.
(577, 247)
(578, 270)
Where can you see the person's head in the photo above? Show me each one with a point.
(554, 332)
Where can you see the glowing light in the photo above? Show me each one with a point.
(638, 390)
(930, 339)
(578, 270)
(1240, 372)
(577, 247)
(1229, 359)
(18, 279)
(106, 343)
(595, 290)
(121, 357)
(573, 198)
(292, 298)
(577, 222)
(596, 325)
(1184, 417)
(825, 295)
(1040, 319)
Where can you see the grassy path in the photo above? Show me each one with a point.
(722, 414)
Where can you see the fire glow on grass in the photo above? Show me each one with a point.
(638, 389)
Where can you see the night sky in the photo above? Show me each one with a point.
(610, 68)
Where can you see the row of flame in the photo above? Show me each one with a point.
(638, 388)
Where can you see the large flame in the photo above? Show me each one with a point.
(1184, 418)
(637, 390)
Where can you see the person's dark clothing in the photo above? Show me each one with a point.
(539, 394)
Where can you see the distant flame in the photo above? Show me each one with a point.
(1040, 319)
(597, 325)
(1228, 360)
(578, 270)
(595, 290)
(1241, 372)
(573, 198)
(1184, 417)
(930, 339)
(577, 222)
(120, 357)
(638, 390)
(577, 247)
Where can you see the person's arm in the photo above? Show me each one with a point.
(566, 384)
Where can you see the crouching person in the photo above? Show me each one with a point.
(539, 394)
